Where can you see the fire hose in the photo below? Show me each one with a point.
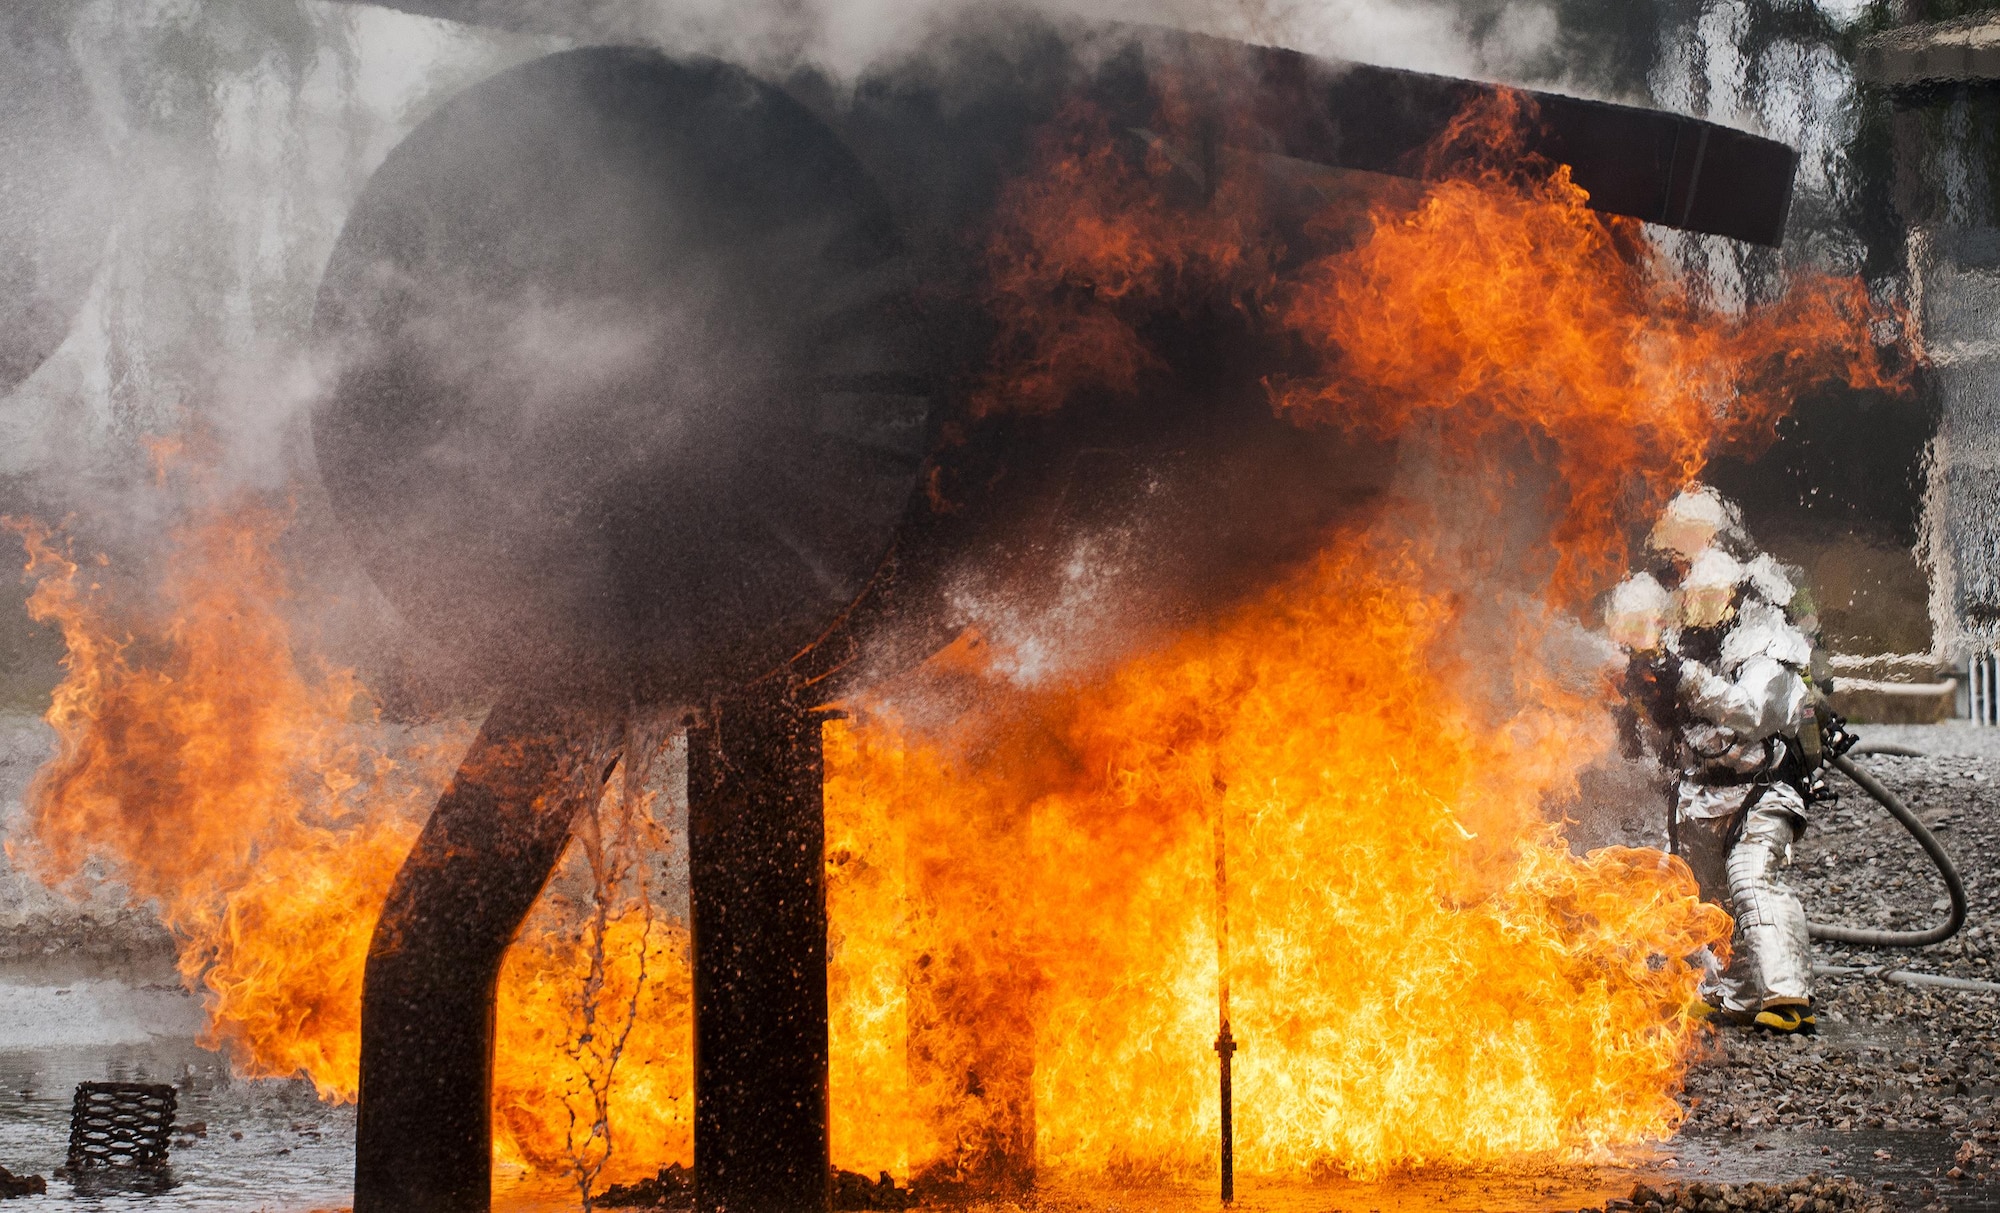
(1876, 938)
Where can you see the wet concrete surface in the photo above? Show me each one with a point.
(266, 1145)
(1911, 1164)
(1899, 1088)
(274, 1146)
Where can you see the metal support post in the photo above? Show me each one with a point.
(424, 1141)
(756, 865)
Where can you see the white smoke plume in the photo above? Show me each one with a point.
(232, 137)
(237, 133)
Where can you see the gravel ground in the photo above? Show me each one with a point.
(1824, 1194)
(1889, 1057)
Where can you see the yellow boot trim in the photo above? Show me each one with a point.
(1792, 1018)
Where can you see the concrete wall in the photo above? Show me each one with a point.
(1956, 271)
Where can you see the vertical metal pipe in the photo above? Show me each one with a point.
(1225, 1043)
(1225, 1047)
(1985, 701)
(424, 1139)
(1989, 701)
(756, 869)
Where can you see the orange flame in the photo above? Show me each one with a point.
(1423, 972)
(1504, 307)
(217, 779)
(1023, 963)
(253, 796)
(1086, 245)
(598, 982)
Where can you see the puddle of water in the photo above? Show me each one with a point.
(273, 1146)
(1914, 1158)
(1527, 1193)
(294, 1153)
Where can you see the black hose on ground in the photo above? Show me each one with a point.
(1871, 938)
(1887, 747)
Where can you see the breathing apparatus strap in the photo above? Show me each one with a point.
(1742, 816)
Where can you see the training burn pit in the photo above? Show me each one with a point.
(1018, 489)
(720, 501)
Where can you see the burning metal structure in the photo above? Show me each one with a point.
(668, 398)
(721, 504)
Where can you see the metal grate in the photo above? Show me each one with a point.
(1985, 679)
(120, 1124)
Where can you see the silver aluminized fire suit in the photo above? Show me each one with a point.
(1738, 817)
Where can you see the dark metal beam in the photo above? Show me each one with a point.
(424, 1142)
(756, 872)
(1647, 164)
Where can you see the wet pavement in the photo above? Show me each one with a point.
(1899, 1089)
(1913, 1163)
(265, 1145)
(274, 1146)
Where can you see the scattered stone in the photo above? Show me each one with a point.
(673, 1188)
(854, 1191)
(1816, 1194)
(1888, 1057)
(12, 1185)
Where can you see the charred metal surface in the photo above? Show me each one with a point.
(1648, 164)
(424, 1141)
(627, 395)
(733, 479)
(121, 1124)
(756, 871)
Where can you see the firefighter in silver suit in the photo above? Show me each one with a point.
(1722, 647)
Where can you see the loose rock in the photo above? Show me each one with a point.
(1817, 1194)
(673, 1188)
(12, 1185)
(1888, 1057)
